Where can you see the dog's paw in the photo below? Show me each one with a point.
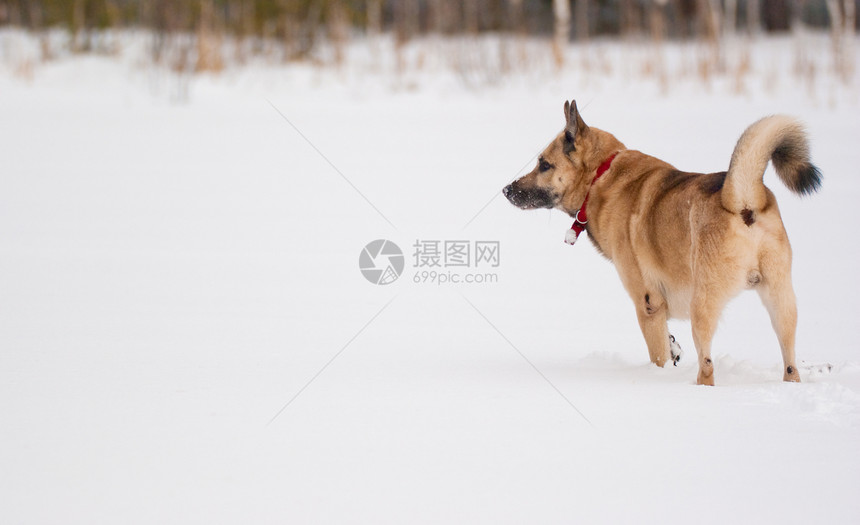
(675, 350)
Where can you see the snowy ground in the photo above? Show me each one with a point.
(185, 336)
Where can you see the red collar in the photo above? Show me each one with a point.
(581, 218)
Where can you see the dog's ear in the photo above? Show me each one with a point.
(574, 126)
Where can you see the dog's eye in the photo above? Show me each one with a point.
(544, 166)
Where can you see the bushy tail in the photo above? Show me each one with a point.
(781, 140)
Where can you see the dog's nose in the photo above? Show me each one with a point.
(507, 190)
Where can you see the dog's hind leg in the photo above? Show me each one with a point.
(704, 313)
(777, 295)
(715, 283)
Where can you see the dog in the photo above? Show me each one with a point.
(683, 244)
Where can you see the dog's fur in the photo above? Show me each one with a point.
(683, 243)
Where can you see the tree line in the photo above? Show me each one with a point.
(295, 19)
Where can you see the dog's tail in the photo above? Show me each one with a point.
(780, 139)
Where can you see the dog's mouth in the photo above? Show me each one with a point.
(528, 199)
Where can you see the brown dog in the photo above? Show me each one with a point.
(683, 243)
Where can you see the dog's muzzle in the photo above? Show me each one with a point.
(527, 199)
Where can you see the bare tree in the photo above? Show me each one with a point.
(657, 23)
(709, 30)
(374, 29)
(753, 17)
(657, 20)
(561, 16)
(730, 25)
(709, 22)
(842, 26)
(515, 16)
(471, 16)
(80, 40)
(374, 18)
(208, 40)
(405, 20)
(629, 17)
(581, 19)
(850, 28)
(443, 15)
(338, 30)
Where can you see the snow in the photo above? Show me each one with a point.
(185, 335)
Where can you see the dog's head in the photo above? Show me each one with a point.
(565, 168)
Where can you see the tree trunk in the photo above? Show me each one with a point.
(338, 30)
(208, 40)
(561, 15)
(79, 41)
(730, 24)
(842, 20)
(581, 18)
(374, 18)
(471, 13)
(850, 29)
(515, 16)
(405, 20)
(753, 17)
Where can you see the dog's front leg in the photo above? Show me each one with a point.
(652, 313)
(651, 308)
